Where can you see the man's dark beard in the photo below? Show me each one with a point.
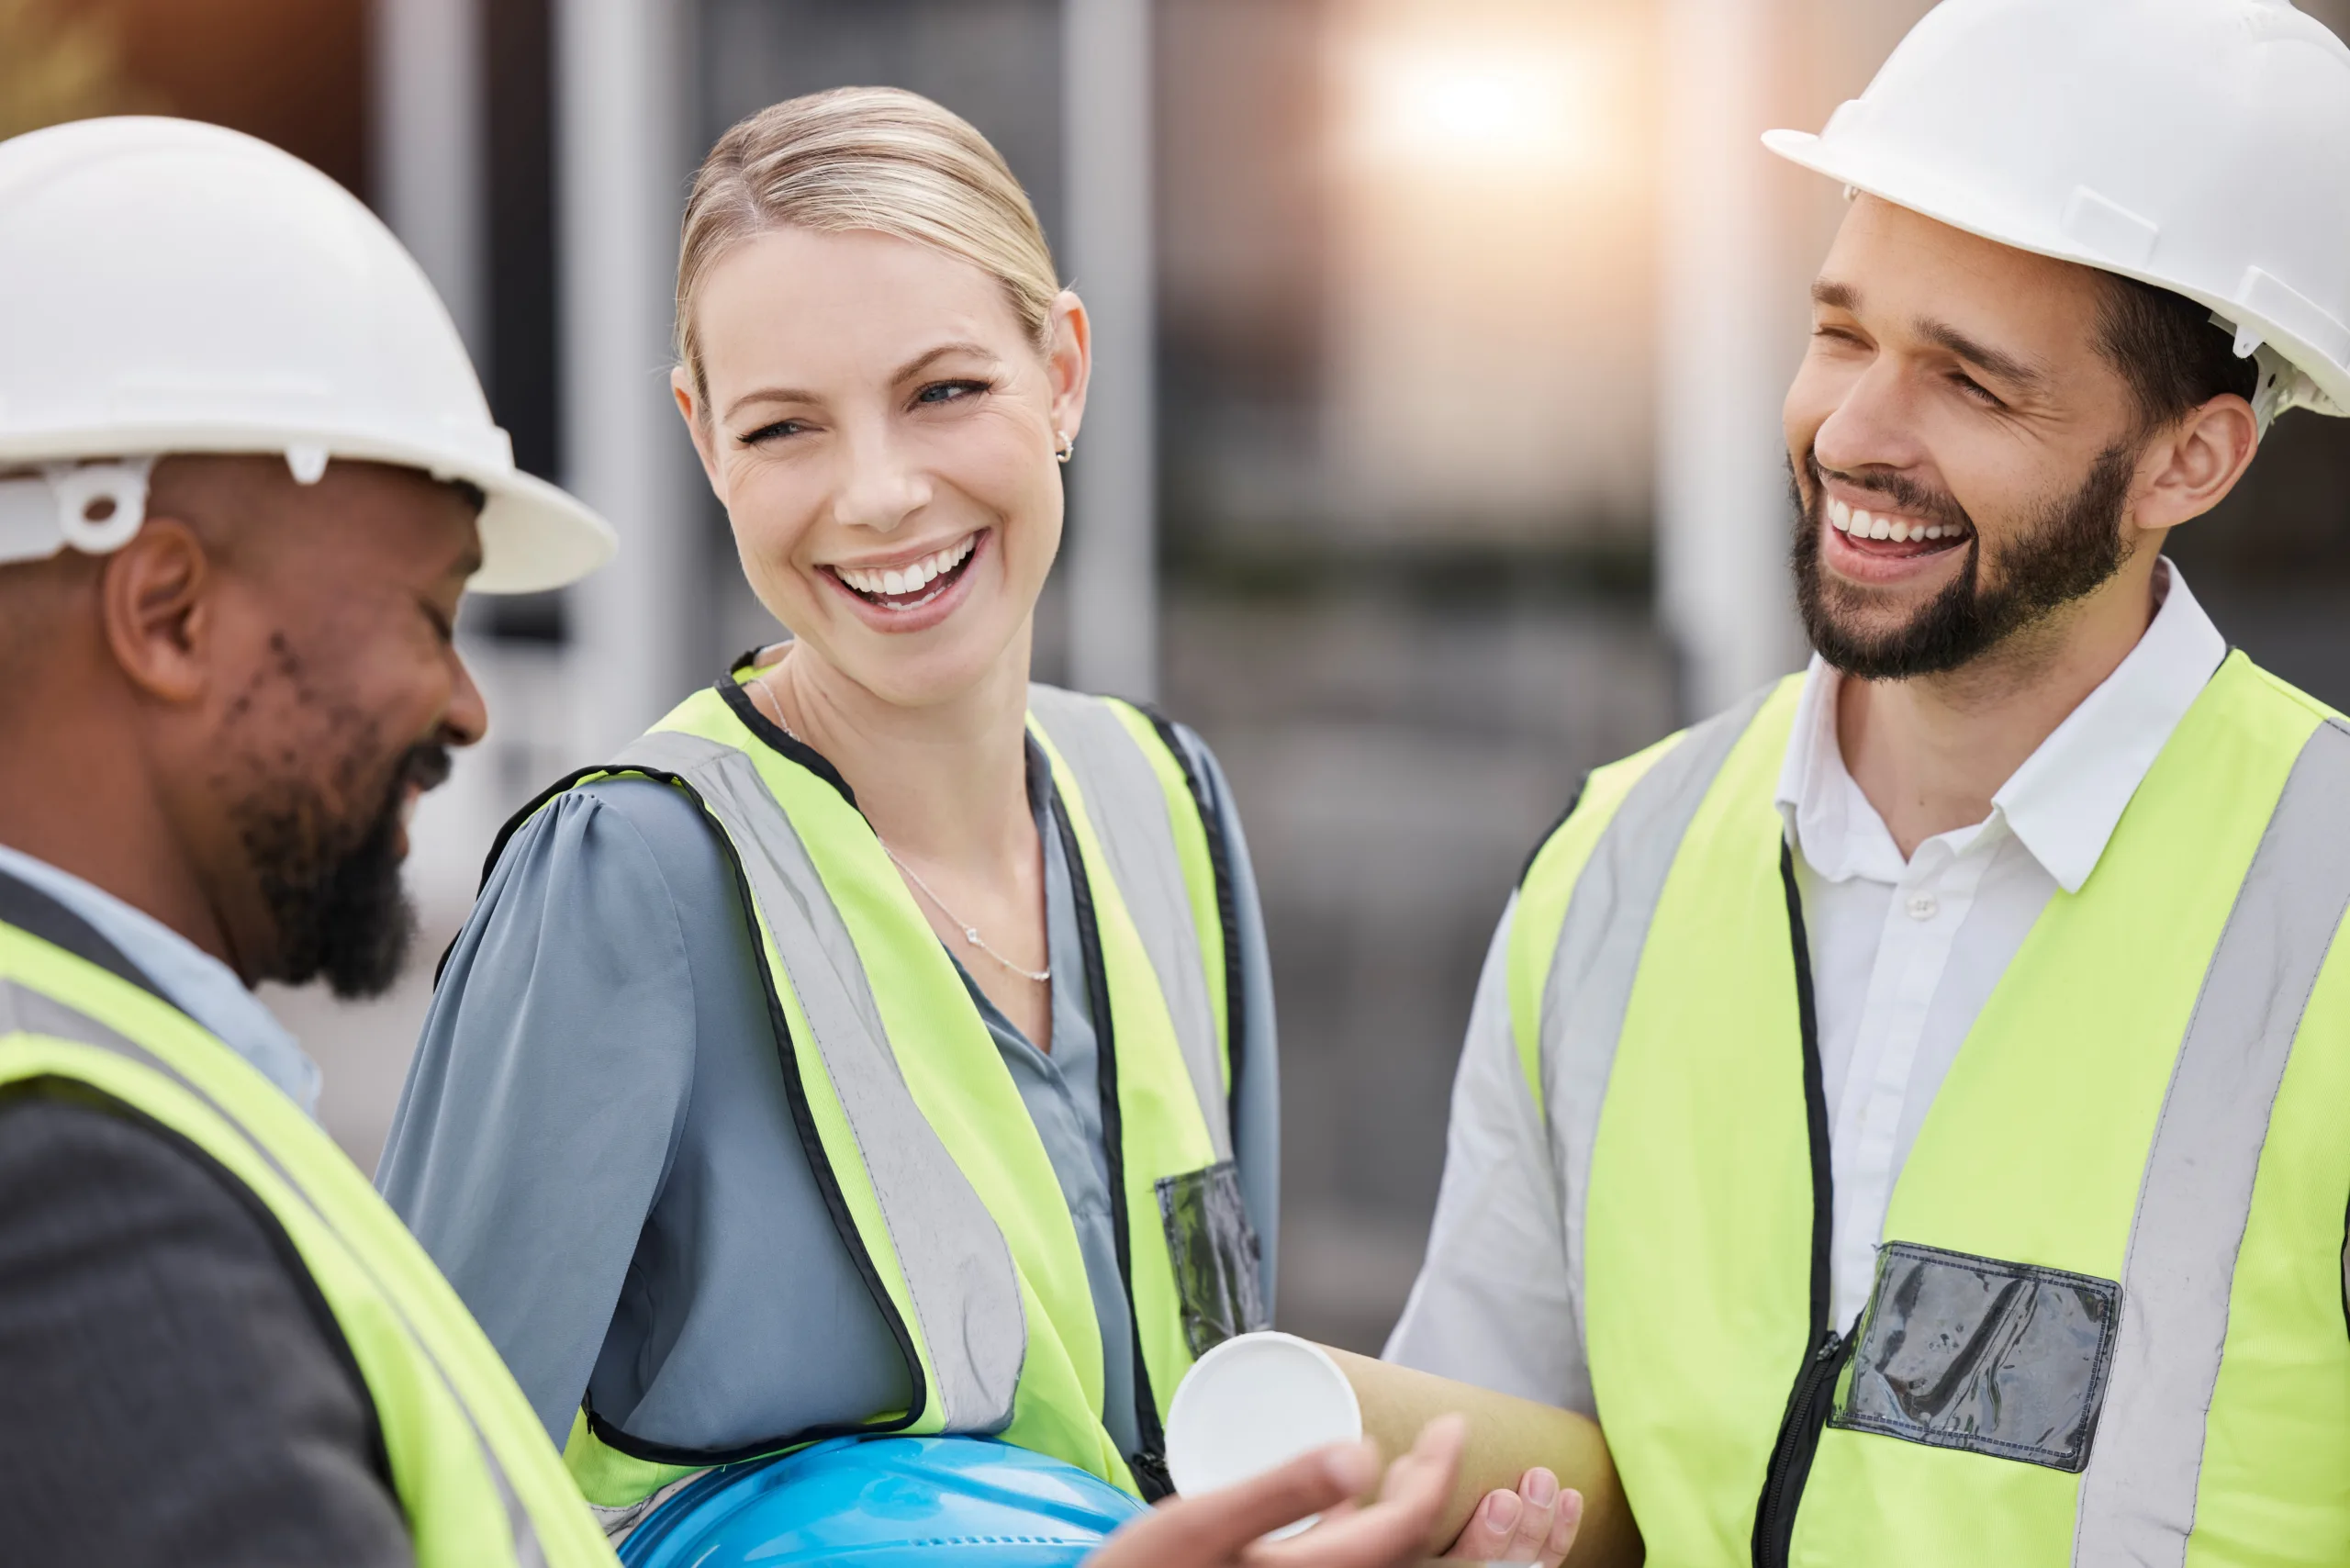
(2069, 551)
(335, 892)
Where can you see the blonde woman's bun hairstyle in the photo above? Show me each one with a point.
(873, 158)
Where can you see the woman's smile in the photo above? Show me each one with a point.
(904, 594)
(885, 453)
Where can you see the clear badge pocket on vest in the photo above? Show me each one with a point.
(1216, 1256)
(1963, 1352)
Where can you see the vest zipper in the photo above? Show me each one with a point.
(1149, 1463)
(1807, 1410)
(1812, 1396)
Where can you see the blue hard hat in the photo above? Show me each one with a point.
(885, 1502)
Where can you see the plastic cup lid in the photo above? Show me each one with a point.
(1253, 1404)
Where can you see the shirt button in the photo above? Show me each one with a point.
(1923, 906)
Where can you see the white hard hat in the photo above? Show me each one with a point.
(167, 286)
(2202, 146)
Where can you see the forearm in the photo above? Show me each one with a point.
(1494, 1304)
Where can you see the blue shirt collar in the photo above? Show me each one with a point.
(191, 978)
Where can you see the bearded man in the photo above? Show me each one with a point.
(246, 475)
(1906, 1110)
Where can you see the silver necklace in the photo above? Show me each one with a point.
(970, 932)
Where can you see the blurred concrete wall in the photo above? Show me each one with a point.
(1395, 757)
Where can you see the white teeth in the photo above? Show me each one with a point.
(1860, 524)
(913, 579)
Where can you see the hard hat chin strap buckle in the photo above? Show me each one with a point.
(2279, 384)
(100, 506)
(96, 508)
(2282, 386)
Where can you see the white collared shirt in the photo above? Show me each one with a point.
(191, 978)
(1904, 954)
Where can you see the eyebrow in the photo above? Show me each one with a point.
(2010, 368)
(921, 362)
(905, 372)
(1835, 296)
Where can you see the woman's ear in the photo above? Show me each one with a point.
(1069, 361)
(2195, 465)
(681, 387)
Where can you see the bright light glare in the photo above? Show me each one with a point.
(1464, 108)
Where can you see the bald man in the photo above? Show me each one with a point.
(214, 736)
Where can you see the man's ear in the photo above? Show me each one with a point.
(2191, 468)
(157, 595)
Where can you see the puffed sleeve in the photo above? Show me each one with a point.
(549, 1087)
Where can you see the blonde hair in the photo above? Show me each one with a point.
(877, 158)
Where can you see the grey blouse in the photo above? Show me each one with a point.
(595, 1144)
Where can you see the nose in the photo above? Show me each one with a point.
(467, 720)
(1872, 425)
(879, 486)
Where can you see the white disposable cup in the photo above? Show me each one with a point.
(1253, 1404)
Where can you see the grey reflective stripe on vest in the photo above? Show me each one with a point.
(24, 1010)
(958, 1267)
(2137, 1497)
(1590, 984)
(1128, 809)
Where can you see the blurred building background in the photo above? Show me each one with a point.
(1434, 460)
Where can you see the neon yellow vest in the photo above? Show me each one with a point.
(479, 1481)
(913, 1127)
(2109, 1322)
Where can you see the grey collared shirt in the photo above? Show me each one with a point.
(596, 1144)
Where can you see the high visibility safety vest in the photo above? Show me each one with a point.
(479, 1484)
(917, 1136)
(2110, 1321)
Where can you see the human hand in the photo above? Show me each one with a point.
(1225, 1528)
(1537, 1523)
